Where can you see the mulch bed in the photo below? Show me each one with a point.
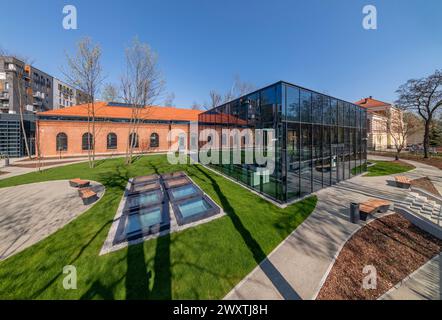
(3, 172)
(426, 184)
(394, 246)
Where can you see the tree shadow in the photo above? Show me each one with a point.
(82, 249)
(137, 277)
(115, 179)
(162, 284)
(272, 273)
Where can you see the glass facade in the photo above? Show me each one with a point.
(319, 140)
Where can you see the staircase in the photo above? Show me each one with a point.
(421, 206)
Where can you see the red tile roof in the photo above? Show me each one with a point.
(372, 103)
(102, 110)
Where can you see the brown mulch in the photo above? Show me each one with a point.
(393, 245)
(3, 172)
(426, 184)
(43, 164)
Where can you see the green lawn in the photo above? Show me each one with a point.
(385, 168)
(203, 262)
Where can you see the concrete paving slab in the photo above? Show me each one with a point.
(31, 212)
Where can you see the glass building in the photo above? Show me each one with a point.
(319, 140)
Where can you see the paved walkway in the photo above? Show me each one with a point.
(31, 212)
(424, 284)
(12, 171)
(297, 267)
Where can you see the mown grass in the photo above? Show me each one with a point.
(385, 168)
(204, 262)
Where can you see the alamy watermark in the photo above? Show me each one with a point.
(370, 281)
(70, 19)
(224, 146)
(370, 20)
(70, 280)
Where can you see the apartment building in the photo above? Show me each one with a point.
(65, 95)
(27, 88)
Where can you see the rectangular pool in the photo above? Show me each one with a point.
(183, 192)
(173, 175)
(194, 209)
(145, 187)
(142, 222)
(146, 199)
(176, 182)
(143, 179)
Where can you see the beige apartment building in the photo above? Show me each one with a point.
(380, 116)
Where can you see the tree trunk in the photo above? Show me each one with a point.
(427, 138)
(20, 109)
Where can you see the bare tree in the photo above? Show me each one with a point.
(424, 97)
(238, 89)
(169, 101)
(402, 125)
(110, 93)
(141, 85)
(215, 99)
(195, 106)
(85, 73)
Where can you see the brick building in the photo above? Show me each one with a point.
(64, 132)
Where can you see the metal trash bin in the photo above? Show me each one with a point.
(354, 212)
(6, 162)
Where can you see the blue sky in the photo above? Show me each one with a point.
(203, 44)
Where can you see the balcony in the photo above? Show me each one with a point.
(4, 96)
(38, 95)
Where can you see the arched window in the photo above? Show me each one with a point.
(154, 140)
(87, 141)
(133, 140)
(112, 141)
(62, 142)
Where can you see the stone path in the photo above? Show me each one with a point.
(424, 284)
(31, 212)
(297, 268)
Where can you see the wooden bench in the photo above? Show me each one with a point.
(87, 195)
(372, 206)
(402, 182)
(78, 183)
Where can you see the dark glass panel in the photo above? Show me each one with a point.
(306, 101)
(293, 156)
(306, 159)
(317, 157)
(316, 108)
(292, 104)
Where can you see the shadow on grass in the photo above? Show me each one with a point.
(280, 283)
(82, 249)
(115, 179)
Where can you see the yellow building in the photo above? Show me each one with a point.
(380, 116)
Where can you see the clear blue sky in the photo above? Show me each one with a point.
(202, 44)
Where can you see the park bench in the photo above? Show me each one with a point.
(402, 182)
(372, 206)
(87, 195)
(78, 183)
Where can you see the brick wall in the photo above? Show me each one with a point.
(48, 130)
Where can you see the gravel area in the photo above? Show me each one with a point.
(391, 244)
